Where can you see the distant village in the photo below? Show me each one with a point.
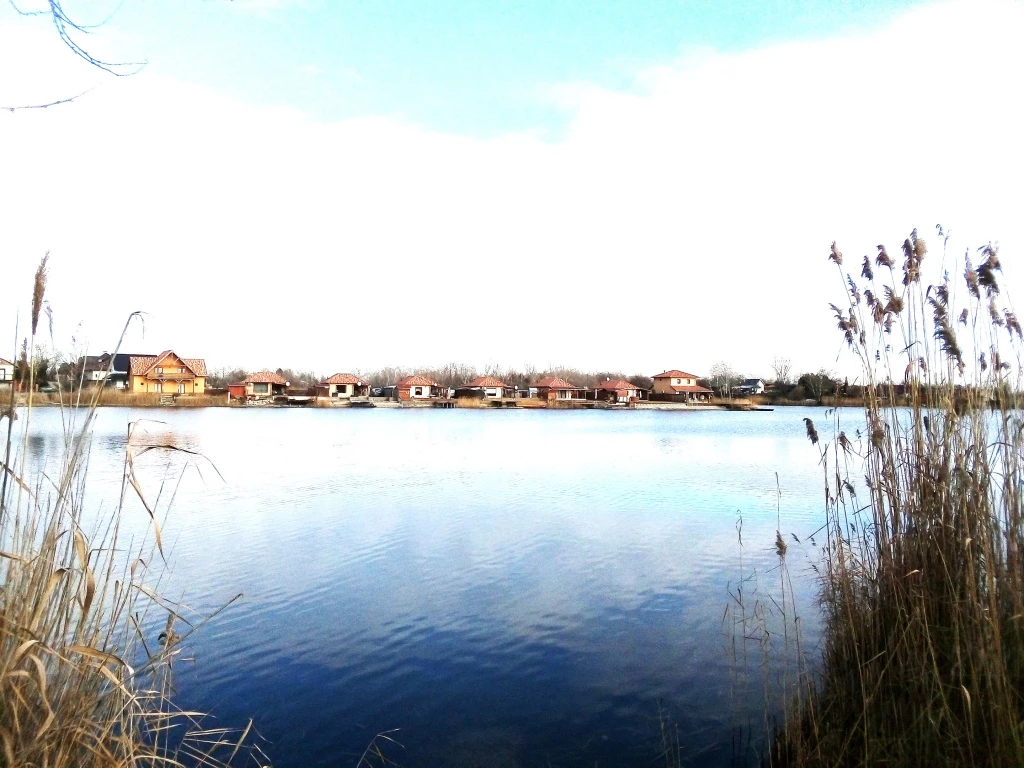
(168, 378)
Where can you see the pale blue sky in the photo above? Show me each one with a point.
(472, 68)
(326, 167)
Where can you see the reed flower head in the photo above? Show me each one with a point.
(836, 255)
(812, 433)
(893, 303)
(39, 291)
(883, 259)
(971, 278)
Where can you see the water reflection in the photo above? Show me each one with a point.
(507, 588)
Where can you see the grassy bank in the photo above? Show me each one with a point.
(91, 398)
(87, 646)
(922, 583)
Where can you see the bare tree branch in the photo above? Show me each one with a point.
(65, 27)
(44, 106)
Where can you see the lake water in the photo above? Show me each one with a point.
(506, 588)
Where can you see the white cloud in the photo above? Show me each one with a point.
(677, 224)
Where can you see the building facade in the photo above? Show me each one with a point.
(167, 373)
(680, 385)
(344, 386)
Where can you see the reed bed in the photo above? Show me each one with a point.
(922, 580)
(113, 397)
(87, 644)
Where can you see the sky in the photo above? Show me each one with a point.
(629, 186)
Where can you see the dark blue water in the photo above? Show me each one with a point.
(531, 588)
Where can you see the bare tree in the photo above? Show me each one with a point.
(69, 31)
(783, 367)
(721, 375)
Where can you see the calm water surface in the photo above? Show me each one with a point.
(529, 588)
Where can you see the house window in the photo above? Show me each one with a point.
(158, 387)
(181, 370)
(159, 371)
(260, 389)
(181, 388)
(3, 374)
(418, 392)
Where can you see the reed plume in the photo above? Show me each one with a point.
(39, 291)
(923, 586)
(85, 681)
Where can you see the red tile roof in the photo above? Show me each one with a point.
(675, 375)
(265, 377)
(343, 378)
(486, 381)
(143, 364)
(197, 364)
(618, 385)
(415, 381)
(553, 382)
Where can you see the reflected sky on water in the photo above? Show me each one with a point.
(506, 588)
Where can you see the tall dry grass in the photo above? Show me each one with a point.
(922, 583)
(87, 644)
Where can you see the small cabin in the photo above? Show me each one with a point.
(554, 388)
(619, 391)
(263, 385)
(419, 388)
(485, 387)
(343, 386)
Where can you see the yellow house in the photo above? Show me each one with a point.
(681, 385)
(167, 373)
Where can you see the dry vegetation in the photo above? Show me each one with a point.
(922, 583)
(87, 646)
(106, 396)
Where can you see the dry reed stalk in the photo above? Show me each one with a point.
(923, 580)
(80, 683)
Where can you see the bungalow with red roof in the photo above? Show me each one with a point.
(417, 387)
(485, 387)
(167, 373)
(619, 391)
(259, 386)
(681, 386)
(554, 388)
(344, 386)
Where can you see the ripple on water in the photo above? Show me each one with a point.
(507, 588)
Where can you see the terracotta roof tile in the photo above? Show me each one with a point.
(343, 378)
(675, 375)
(197, 364)
(618, 385)
(265, 377)
(415, 381)
(553, 382)
(486, 381)
(142, 364)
